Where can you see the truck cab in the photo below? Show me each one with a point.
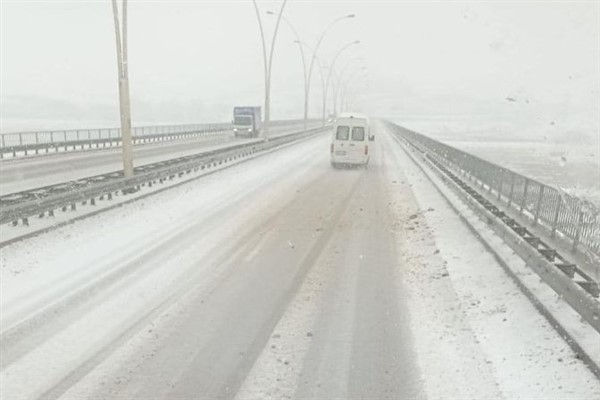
(246, 121)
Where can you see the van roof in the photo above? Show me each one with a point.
(351, 115)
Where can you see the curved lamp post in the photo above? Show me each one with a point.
(344, 92)
(337, 84)
(268, 64)
(340, 51)
(314, 58)
(299, 42)
(322, 66)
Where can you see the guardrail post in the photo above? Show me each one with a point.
(556, 213)
(37, 143)
(3, 147)
(538, 205)
(578, 229)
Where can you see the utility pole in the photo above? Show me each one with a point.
(124, 107)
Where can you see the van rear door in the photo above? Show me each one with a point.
(342, 135)
(358, 144)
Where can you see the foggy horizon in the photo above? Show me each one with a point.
(425, 62)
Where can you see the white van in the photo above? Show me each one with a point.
(350, 140)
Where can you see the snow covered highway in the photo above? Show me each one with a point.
(280, 277)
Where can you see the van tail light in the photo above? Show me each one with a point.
(331, 148)
(366, 150)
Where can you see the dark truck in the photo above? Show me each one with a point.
(246, 121)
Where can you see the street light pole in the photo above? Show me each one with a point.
(342, 82)
(299, 42)
(321, 74)
(305, 81)
(337, 85)
(344, 92)
(330, 73)
(308, 75)
(268, 64)
(124, 102)
(314, 56)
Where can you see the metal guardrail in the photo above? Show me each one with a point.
(571, 218)
(66, 195)
(47, 141)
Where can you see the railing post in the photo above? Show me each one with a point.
(538, 205)
(578, 229)
(556, 213)
(501, 175)
(21, 141)
(512, 189)
(524, 199)
(490, 181)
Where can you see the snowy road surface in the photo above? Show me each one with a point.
(33, 172)
(277, 278)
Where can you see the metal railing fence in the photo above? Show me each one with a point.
(568, 216)
(12, 143)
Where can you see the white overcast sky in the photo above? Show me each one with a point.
(192, 61)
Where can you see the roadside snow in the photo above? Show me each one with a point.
(498, 331)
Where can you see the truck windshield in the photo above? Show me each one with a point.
(242, 120)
